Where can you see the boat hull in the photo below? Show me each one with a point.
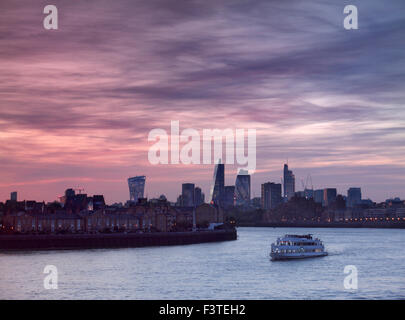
(281, 256)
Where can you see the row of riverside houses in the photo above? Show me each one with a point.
(157, 216)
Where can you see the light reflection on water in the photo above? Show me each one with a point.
(227, 270)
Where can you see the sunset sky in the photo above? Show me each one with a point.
(77, 104)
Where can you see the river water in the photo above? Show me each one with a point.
(238, 269)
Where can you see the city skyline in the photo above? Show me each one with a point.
(187, 189)
(78, 102)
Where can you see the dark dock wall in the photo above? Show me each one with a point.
(113, 240)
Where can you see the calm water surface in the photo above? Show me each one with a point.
(227, 270)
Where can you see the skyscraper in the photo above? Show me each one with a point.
(229, 197)
(242, 188)
(353, 197)
(318, 196)
(70, 193)
(329, 196)
(271, 195)
(13, 196)
(217, 189)
(198, 196)
(289, 183)
(188, 194)
(136, 187)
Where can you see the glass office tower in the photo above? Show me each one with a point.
(217, 189)
(136, 187)
(289, 183)
(188, 194)
(242, 188)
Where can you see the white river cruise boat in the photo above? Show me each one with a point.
(293, 246)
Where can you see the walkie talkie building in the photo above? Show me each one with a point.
(136, 187)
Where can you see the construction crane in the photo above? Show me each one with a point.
(308, 187)
(308, 182)
(309, 179)
(304, 186)
(79, 189)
